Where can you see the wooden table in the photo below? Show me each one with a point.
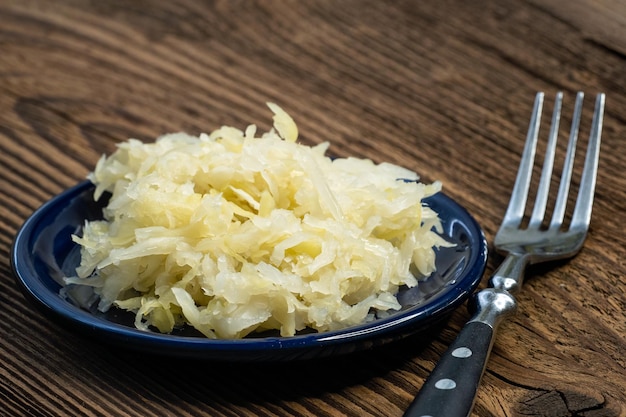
(442, 87)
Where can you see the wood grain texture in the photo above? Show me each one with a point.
(441, 87)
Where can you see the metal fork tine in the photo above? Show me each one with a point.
(541, 201)
(515, 211)
(561, 200)
(584, 202)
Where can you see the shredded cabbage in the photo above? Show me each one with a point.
(233, 233)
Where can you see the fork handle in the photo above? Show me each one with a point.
(451, 388)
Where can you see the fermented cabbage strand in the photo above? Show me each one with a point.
(232, 233)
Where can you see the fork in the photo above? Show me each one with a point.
(451, 388)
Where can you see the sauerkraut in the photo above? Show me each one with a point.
(231, 233)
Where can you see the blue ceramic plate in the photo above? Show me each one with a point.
(43, 253)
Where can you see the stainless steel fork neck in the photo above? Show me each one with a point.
(494, 303)
(510, 274)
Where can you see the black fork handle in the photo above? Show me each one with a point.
(451, 388)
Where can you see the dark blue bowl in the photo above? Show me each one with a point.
(43, 253)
